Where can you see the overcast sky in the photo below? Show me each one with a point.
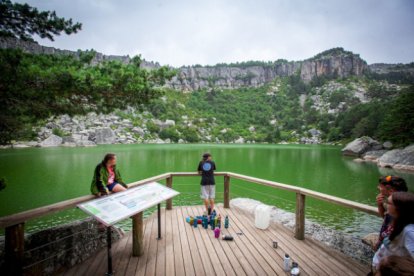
(180, 32)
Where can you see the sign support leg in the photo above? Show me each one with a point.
(109, 243)
(159, 221)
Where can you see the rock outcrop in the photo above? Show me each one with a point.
(374, 155)
(341, 64)
(35, 48)
(51, 141)
(105, 136)
(360, 146)
(338, 64)
(400, 159)
(372, 151)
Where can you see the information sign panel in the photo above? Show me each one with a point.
(119, 206)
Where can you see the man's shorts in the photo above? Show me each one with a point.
(208, 191)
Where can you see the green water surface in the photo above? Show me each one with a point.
(42, 176)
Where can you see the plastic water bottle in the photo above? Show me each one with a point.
(213, 224)
(226, 222)
(205, 222)
(217, 233)
(295, 269)
(286, 263)
(219, 221)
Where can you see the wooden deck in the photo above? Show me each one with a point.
(184, 250)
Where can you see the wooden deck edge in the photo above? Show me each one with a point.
(310, 239)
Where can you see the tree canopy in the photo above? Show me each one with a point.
(35, 87)
(23, 21)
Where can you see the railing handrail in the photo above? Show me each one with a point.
(333, 199)
(21, 217)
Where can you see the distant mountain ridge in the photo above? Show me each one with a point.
(334, 63)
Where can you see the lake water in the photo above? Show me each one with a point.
(42, 176)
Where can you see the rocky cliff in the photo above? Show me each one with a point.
(35, 48)
(333, 63)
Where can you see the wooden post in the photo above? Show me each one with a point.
(14, 247)
(169, 185)
(226, 191)
(300, 217)
(137, 235)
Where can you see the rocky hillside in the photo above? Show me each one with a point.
(330, 97)
(332, 63)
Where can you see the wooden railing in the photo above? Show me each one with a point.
(14, 224)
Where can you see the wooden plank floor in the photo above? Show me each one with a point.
(185, 250)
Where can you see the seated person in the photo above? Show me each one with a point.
(387, 186)
(106, 177)
(400, 241)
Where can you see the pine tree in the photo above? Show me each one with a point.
(398, 124)
(23, 21)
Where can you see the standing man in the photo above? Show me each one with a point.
(206, 169)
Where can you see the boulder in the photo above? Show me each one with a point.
(104, 136)
(273, 122)
(138, 131)
(169, 123)
(313, 140)
(400, 159)
(65, 119)
(360, 146)
(314, 132)
(51, 141)
(239, 141)
(387, 145)
(371, 240)
(85, 143)
(163, 125)
(373, 155)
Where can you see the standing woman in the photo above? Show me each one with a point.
(107, 178)
(401, 240)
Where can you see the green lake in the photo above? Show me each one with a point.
(42, 176)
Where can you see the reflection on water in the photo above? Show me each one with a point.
(38, 177)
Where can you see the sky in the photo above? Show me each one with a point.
(188, 32)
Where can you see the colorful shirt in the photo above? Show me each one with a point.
(111, 177)
(385, 231)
